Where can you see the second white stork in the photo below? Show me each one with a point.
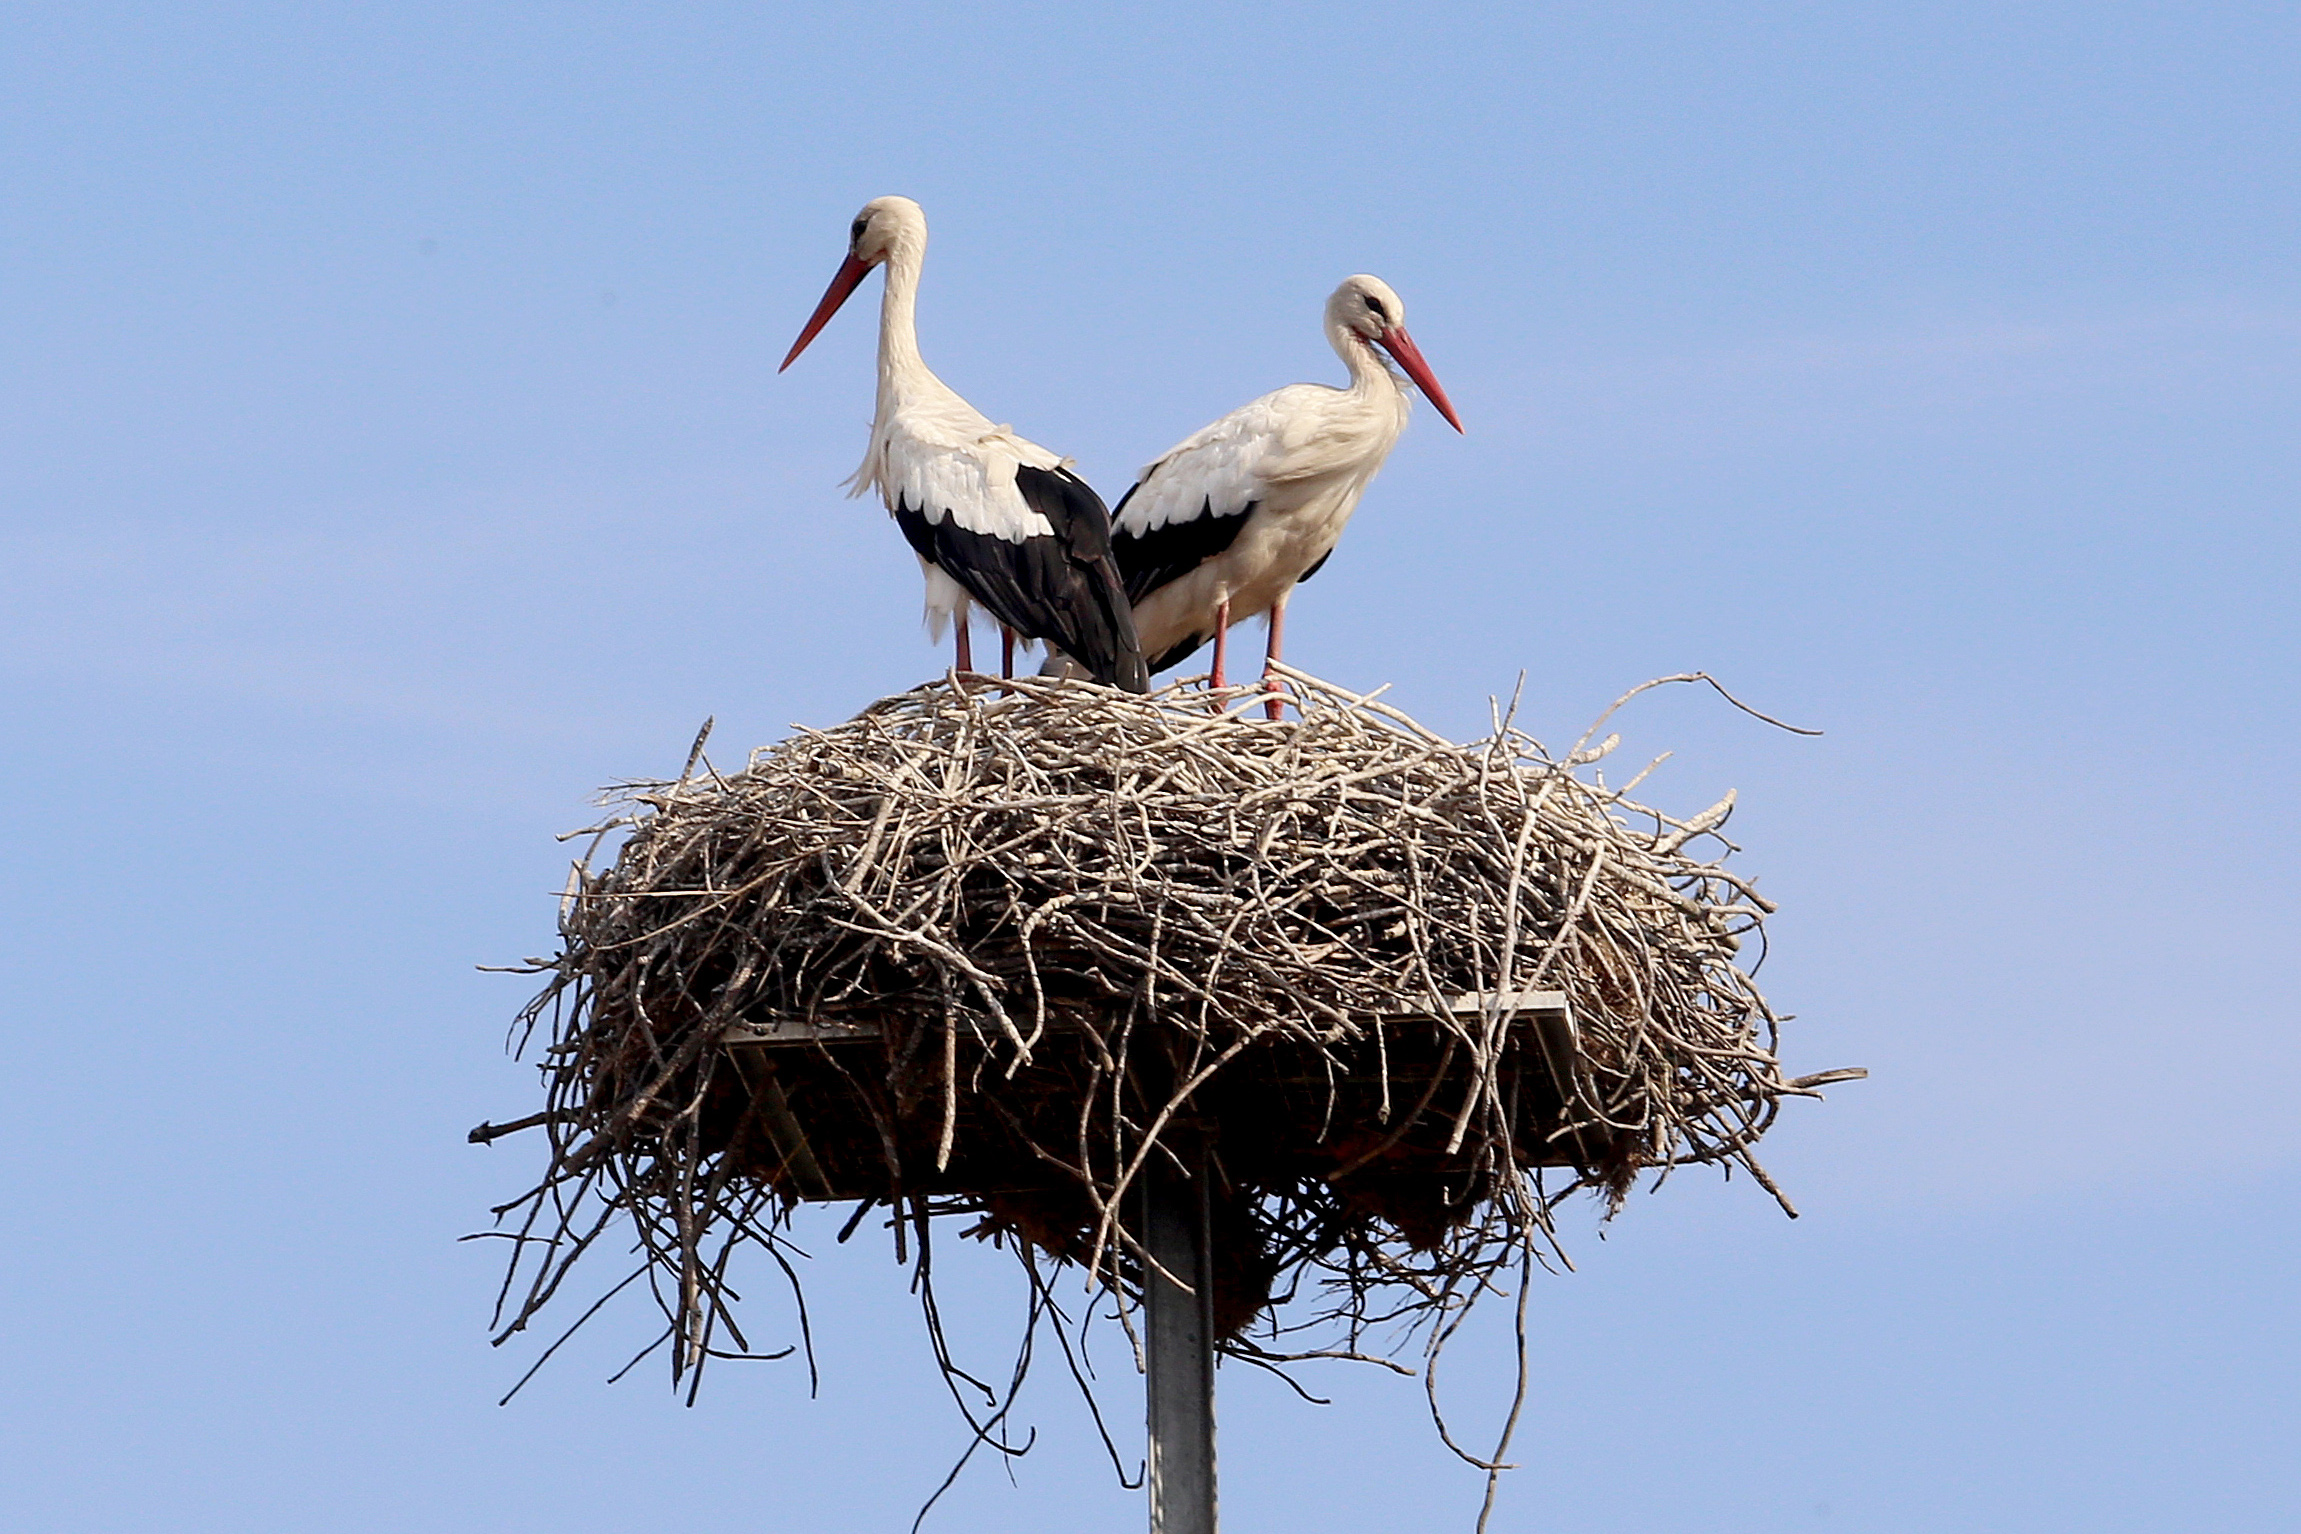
(994, 518)
(1231, 519)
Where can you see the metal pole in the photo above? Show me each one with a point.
(1178, 1326)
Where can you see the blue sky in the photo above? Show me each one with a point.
(391, 455)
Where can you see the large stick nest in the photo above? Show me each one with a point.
(996, 951)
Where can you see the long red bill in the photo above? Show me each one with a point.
(1400, 345)
(850, 276)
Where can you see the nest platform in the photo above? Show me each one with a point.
(999, 951)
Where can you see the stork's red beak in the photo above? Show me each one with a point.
(850, 276)
(1401, 346)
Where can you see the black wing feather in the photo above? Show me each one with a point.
(1151, 560)
(1064, 589)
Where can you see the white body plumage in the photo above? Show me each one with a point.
(1225, 524)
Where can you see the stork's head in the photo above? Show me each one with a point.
(886, 225)
(1369, 310)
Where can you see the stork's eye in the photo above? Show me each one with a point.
(856, 232)
(1376, 305)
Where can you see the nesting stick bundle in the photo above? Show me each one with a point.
(997, 950)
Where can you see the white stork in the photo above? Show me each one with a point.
(1231, 519)
(994, 519)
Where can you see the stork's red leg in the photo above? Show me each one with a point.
(1273, 707)
(966, 647)
(1221, 641)
(1006, 653)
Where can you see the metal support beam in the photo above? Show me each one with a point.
(1178, 1327)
